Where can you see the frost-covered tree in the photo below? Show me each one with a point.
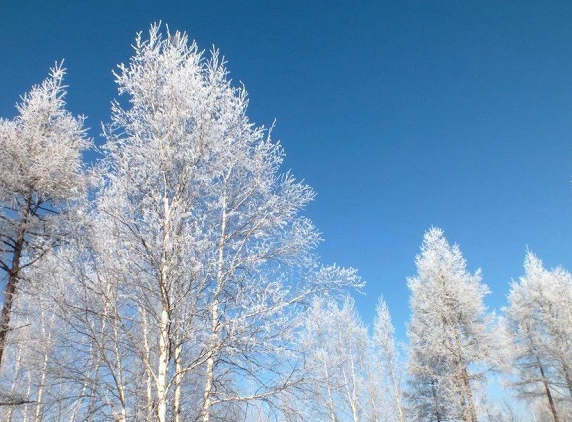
(191, 276)
(337, 354)
(450, 333)
(41, 178)
(539, 323)
(27, 375)
(386, 348)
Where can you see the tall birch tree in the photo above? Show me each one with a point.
(197, 261)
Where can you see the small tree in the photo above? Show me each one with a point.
(385, 346)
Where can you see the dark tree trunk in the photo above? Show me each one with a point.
(547, 391)
(13, 277)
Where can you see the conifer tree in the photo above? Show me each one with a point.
(450, 333)
(41, 182)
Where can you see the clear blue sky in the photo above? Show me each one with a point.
(401, 114)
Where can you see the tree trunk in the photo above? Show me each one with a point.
(354, 399)
(547, 391)
(163, 367)
(472, 414)
(207, 403)
(13, 277)
(396, 391)
(165, 321)
(435, 401)
(568, 381)
(15, 381)
(44, 369)
(178, 381)
(148, 381)
(209, 375)
(329, 390)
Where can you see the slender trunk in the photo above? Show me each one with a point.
(149, 389)
(122, 417)
(44, 370)
(350, 394)
(165, 321)
(27, 405)
(354, 400)
(435, 401)
(373, 397)
(205, 414)
(92, 395)
(178, 381)
(472, 414)
(7, 308)
(41, 389)
(329, 390)
(209, 374)
(374, 410)
(397, 395)
(547, 391)
(78, 403)
(396, 390)
(13, 277)
(16, 379)
(163, 367)
(568, 379)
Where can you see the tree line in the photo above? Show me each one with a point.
(177, 279)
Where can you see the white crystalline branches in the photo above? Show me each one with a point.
(450, 333)
(41, 147)
(385, 345)
(41, 180)
(539, 322)
(199, 237)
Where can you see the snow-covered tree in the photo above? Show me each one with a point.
(539, 323)
(450, 333)
(386, 349)
(337, 354)
(41, 178)
(196, 263)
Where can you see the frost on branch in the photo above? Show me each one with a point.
(41, 180)
(199, 260)
(450, 334)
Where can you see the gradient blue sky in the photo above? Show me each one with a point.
(401, 114)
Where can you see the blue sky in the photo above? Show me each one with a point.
(401, 114)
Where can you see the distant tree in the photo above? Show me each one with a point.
(450, 333)
(336, 348)
(539, 323)
(386, 348)
(41, 180)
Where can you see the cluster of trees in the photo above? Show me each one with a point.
(176, 279)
